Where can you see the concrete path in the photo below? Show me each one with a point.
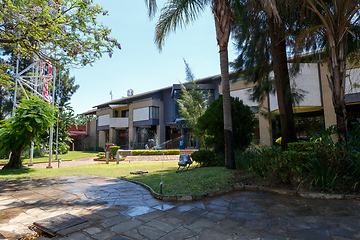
(117, 209)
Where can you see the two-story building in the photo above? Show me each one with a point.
(130, 121)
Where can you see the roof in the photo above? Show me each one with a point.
(76, 130)
(139, 96)
(89, 112)
(77, 133)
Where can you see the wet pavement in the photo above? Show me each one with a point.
(117, 209)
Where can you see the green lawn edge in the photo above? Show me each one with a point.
(192, 182)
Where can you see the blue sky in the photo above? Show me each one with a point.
(139, 65)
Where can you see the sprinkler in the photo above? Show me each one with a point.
(161, 187)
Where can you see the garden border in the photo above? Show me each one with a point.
(173, 198)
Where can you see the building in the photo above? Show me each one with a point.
(129, 122)
(77, 135)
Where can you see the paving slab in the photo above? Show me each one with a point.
(117, 209)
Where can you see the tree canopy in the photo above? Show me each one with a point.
(32, 118)
(193, 101)
(211, 125)
(65, 30)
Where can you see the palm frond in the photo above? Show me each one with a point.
(177, 14)
(152, 7)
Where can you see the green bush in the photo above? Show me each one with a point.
(63, 148)
(211, 125)
(4, 154)
(90, 149)
(99, 149)
(101, 155)
(155, 152)
(301, 146)
(207, 158)
(113, 151)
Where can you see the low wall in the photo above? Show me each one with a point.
(182, 151)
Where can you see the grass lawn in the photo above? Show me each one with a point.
(71, 155)
(195, 181)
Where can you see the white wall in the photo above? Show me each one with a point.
(307, 80)
(104, 120)
(244, 95)
(352, 84)
(141, 114)
(119, 122)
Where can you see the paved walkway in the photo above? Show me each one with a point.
(117, 209)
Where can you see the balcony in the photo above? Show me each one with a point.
(119, 122)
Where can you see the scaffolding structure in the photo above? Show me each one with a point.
(36, 78)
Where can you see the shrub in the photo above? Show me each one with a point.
(63, 148)
(211, 125)
(99, 149)
(90, 149)
(101, 155)
(207, 158)
(155, 152)
(113, 151)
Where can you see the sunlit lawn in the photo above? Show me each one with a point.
(71, 155)
(195, 181)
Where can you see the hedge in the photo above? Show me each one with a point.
(155, 152)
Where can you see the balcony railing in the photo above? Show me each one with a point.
(119, 122)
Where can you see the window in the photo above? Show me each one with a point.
(154, 112)
(125, 113)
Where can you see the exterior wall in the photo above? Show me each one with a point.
(169, 114)
(141, 114)
(119, 122)
(102, 139)
(104, 120)
(90, 140)
(307, 82)
(138, 109)
(240, 89)
(352, 81)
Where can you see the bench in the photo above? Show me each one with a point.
(184, 163)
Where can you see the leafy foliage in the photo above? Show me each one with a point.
(32, 118)
(80, 120)
(155, 152)
(70, 26)
(211, 125)
(207, 158)
(113, 151)
(321, 164)
(193, 101)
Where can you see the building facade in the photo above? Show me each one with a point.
(129, 122)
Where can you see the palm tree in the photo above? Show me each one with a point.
(337, 18)
(178, 13)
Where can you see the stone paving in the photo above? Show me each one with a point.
(119, 210)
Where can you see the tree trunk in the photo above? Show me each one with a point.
(15, 159)
(337, 69)
(282, 82)
(223, 22)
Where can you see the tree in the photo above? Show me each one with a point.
(193, 101)
(179, 13)
(338, 17)
(67, 26)
(66, 89)
(210, 124)
(32, 118)
(5, 83)
(263, 40)
(80, 120)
